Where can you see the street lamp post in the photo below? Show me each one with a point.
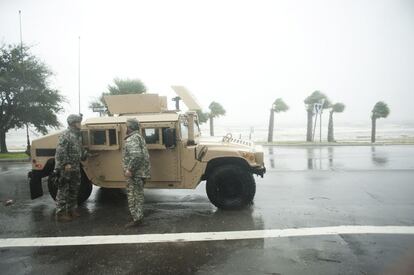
(271, 123)
(24, 80)
(320, 119)
(318, 110)
(316, 107)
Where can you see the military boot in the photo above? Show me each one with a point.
(63, 217)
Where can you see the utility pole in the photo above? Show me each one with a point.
(251, 132)
(79, 76)
(21, 34)
(24, 80)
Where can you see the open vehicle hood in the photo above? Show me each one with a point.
(187, 97)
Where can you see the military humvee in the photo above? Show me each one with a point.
(179, 156)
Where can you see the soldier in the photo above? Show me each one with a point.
(136, 166)
(69, 153)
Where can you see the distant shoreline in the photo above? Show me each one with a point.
(399, 134)
(301, 143)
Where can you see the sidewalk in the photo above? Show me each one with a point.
(342, 143)
(14, 156)
(14, 160)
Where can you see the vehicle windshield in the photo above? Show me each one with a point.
(197, 131)
(184, 128)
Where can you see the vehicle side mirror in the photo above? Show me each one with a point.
(169, 137)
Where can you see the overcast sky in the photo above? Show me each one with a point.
(242, 54)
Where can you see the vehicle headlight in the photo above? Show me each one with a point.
(249, 156)
(259, 157)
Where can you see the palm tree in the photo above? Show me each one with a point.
(310, 101)
(380, 110)
(277, 107)
(336, 108)
(202, 117)
(216, 110)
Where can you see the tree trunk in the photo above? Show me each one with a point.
(309, 128)
(271, 126)
(373, 129)
(211, 126)
(28, 140)
(3, 146)
(330, 128)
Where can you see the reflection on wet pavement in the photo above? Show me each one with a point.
(339, 157)
(379, 158)
(271, 159)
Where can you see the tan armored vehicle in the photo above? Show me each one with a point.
(180, 159)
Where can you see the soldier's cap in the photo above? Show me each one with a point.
(73, 119)
(132, 123)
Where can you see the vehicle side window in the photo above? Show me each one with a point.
(112, 137)
(164, 133)
(197, 130)
(98, 137)
(151, 135)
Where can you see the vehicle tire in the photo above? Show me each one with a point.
(35, 184)
(52, 185)
(230, 187)
(85, 187)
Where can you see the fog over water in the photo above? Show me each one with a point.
(242, 54)
(357, 133)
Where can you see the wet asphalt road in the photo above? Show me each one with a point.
(304, 187)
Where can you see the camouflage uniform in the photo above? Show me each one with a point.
(136, 159)
(68, 151)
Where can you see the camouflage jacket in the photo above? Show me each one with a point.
(135, 155)
(69, 149)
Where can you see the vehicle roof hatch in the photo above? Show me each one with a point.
(135, 103)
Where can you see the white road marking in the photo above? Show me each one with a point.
(203, 236)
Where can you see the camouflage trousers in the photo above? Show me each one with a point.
(68, 188)
(135, 194)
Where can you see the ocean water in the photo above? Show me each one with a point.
(356, 132)
(16, 139)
